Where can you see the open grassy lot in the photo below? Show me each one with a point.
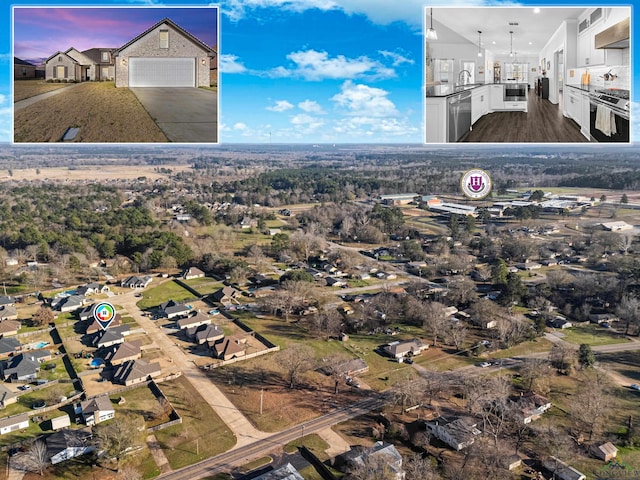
(142, 402)
(592, 335)
(153, 297)
(102, 112)
(536, 346)
(202, 433)
(30, 88)
(205, 285)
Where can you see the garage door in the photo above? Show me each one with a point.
(162, 72)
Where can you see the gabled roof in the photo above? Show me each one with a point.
(135, 370)
(108, 336)
(172, 24)
(286, 472)
(5, 394)
(123, 350)
(17, 61)
(8, 311)
(9, 344)
(66, 438)
(205, 333)
(61, 53)
(197, 319)
(97, 404)
(95, 54)
(15, 420)
(4, 300)
(20, 366)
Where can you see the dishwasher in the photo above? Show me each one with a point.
(459, 115)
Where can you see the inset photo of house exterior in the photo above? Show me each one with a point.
(115, 75)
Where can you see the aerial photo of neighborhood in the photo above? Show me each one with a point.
(318, 312)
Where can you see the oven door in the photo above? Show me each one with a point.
(514, 93)
(622, 127)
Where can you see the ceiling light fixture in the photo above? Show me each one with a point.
(479, 50)
(536, 10)
(511, 51)
(431, 33)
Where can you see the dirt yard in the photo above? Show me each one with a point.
(30, 88)
(103, 113)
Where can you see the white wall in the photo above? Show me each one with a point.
(457, 51)
(560, 40)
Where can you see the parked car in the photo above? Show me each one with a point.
(408, 360)
(483, 364)
(24, 387)
(634, 386)
(215, 311)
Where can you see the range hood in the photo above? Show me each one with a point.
(616, 36)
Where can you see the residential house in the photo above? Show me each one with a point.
(23, 70)
(227, 295)
(528, 266)
(122, 352)
(213, 67)
(172, 309)
(402, 348)
(532, 406)
(286, 472)
(9, 346)
(561, 470)
(20, 368)
(136, 371)
(604, 451)
(9, 327)
(92, 288)
(600, 318)
(247, 223)
(69, 303)
(7, 301)
(108, 338)
(205, 334)
(39, 356)
(67, 444)
(165, 55)
(136, 282)
(458, 433)
(95, 410)
(384, 451)
(230, 347)
(14, 423)
(559, 322)
(63, 421)
(8, 312)
(192, 272)
(193, 321)
(7, 397)
(354, 366)
(86, 313)
(95, 327)
(335, 282)
(73, 65)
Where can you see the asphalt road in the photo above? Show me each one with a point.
(228, 461)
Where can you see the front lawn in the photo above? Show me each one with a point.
(592, 335)
(103, 113)
(30, 88)
(162, 293)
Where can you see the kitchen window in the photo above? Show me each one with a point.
(164, 38)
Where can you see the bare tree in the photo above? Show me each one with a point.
(591, 404)
(296, 359)
(417, 467)
(435, 319)
(455, 334)
(434, 382)
(37, 457)
(372, 467)
(129, 473)
(629, 311)
(118, 435)
(334, 366)
(408, 393)
(563, 357)
(534, 375)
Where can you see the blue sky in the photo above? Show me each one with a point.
(311, 71)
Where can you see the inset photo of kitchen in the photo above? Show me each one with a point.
(527, 74)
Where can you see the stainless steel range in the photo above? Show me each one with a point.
(609, 115)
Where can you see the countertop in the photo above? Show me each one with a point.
(448, 89)
(584, 88)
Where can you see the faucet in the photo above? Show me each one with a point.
(461, 74)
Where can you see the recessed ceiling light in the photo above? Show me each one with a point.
(530, 43)
(536, 10)
(493, 43)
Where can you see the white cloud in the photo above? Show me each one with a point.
(396, 58)
(374, 127)
(5, 124)
(362, 100)
(3, 98)
(306, 120)
(315, 65)
(635, 122)
(311, 106)
(381, 12)
(281, 106)
(231, 64)
(240, 126)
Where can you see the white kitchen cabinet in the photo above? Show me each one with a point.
(585, 125)
(573, 105)
(496, 97)
(515, 106)
(590, 23)
(479, 103)
(435, 120)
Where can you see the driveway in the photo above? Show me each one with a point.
(183, 114)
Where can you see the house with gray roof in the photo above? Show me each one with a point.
(286, 472)
(6, 301)
(136, 371)
(7, 397)
(122, 352)
(67, 444)
(14, 423)
(136, 282)
(458, 433)
(172, 309)
(206, 334)
(226, 295)
(193, 321)
(107, 339)
(192, 272)
(230, 347)
(70, 303)
(9, 346)
(8, 312)
(96, 410)
(401, 349)
(356, 457)
(20, 368)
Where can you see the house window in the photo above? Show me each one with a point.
(24, 71)
(59, 59)
(105, 56)
(164, 38)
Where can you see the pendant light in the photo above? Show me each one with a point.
(431, 33)
(511, 51)
(479, 50)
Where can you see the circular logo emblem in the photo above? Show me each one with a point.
(476, 184)
(104, 313)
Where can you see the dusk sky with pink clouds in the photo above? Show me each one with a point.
(40, 32)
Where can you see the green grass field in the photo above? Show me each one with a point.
(592, 335)
(162, 293)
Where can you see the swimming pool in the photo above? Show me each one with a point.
(41, 345)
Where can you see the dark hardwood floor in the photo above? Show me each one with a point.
(543, 123)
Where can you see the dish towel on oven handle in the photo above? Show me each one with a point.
(606, 120)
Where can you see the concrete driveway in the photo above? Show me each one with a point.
(183, 114)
